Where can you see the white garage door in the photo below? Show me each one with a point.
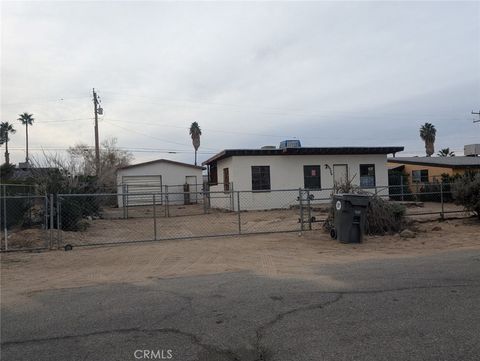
(138, 190)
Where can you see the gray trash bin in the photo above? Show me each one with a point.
(350, 214)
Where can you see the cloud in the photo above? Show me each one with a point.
(250, 73)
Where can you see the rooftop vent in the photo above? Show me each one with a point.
(471, 150)
(291, 143)
(268, 147)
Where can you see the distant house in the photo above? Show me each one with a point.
(136, 183)
(292, 167)
(430, 169)
(24, 172)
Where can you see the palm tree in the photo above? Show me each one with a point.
(5, 129)
(195, 133)
(427, 133)
(26, 119)
(445, 152)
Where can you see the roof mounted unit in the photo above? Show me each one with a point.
(471, 150)
(290, 143)
(268, 147)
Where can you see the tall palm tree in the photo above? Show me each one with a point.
(5, 129)
(445, 152)
(26, 119)
(195, 133)
(428, 133)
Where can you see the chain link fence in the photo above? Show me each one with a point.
(53, 221)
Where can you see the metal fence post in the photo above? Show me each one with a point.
(167, 206)
(5, 228)
(51, 221)
(154, 218)
(239, 216)
(127, 197)
(300, 200)
(59, 223)
(204, 196)
(309, 211)
(441, 200)
(124, 200)
(401, 186)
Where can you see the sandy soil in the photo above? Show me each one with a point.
(275, 255)
(141, 226)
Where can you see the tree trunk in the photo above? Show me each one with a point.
(7, 156)
(195, 157)
(26, 133)
(429, 148)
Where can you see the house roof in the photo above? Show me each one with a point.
(447, 162)
(162, 161)
(303, 151)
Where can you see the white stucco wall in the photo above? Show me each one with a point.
(286, 173)
(172, 174)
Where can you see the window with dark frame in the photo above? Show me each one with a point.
(261, 178)
(367, 175)
(212, 173)
(311, 176)
(226, 180)
(420, 176)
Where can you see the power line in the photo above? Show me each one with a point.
(63, 120)
(283, 112)
(131, 130)
(133, 150)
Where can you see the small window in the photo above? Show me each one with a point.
(311, 176)
(260, 178)
(212, 173)
(367, 175)
(226, 180)
(420, 176)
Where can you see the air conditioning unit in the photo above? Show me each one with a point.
(471, 150)
(291, 143)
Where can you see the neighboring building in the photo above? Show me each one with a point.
(265, 170)
(156, 177)
(430, 169)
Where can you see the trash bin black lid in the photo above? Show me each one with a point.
(356, 199)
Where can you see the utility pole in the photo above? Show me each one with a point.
(478, 113)
(97, 143)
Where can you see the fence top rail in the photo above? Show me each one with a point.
(371, 191)
(26, 196)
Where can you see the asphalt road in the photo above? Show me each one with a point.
(423, 308)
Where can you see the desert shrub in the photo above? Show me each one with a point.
(430, 192)
(382, 216)
(74, 209)
(399, 189)
(466, 192)
(447, 181)
(16, 211)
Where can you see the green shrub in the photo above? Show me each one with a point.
(466, 192)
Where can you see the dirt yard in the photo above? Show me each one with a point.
(189, 222)
(275, 255)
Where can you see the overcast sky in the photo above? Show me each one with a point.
(251, 74)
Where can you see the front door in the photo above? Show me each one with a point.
(340, 174)
(191, 180)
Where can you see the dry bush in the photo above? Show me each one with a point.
(383, 217)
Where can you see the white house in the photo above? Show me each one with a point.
(136, 183)
(269, 169)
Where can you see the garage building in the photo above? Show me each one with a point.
(136, 183)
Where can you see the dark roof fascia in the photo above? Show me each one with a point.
(162, 161)
(427, 164)
(303, 151)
